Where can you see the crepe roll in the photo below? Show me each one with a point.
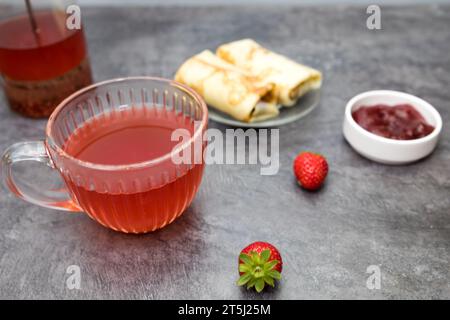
(291, 79)
(228, 89)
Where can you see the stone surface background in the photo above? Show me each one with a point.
(367, 214)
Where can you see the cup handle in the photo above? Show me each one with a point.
(34, 151)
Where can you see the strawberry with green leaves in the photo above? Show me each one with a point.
(259, 264)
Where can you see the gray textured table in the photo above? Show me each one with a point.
(367, 214)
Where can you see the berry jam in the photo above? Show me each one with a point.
(399, 122)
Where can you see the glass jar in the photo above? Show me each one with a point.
(43, 54)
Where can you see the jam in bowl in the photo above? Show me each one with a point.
(391, 127)
(400, 122)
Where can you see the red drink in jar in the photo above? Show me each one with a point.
(40, 69)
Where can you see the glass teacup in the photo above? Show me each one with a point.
(112, 146)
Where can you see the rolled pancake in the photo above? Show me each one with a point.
(291, 79)
(227, 88)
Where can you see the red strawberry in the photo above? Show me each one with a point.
(259, 264)
(310, 169)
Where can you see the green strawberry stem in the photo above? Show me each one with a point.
(257, 271)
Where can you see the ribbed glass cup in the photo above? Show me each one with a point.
(134, 198)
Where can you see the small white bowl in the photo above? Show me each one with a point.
(384, 150)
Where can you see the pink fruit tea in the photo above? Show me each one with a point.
(131, 136)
